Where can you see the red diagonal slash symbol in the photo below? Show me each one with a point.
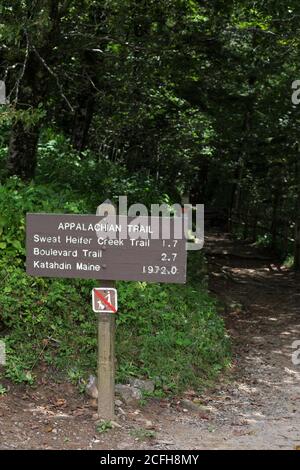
(103, 299)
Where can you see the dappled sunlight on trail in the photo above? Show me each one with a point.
(258, 405)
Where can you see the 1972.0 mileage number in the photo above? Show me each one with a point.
(160, 270)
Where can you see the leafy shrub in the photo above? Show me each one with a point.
(94, 175)
(169, 333)
(16, 199)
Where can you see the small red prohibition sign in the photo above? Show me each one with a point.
(105, 301)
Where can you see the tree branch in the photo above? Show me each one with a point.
(56, 78)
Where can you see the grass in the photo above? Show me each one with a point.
(143, 434)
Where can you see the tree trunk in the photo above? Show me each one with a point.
(246, 223)
(297, 218)
(22, 152)
(238, 193)
(274, 227)
(285, 249)
(33, 86)
(82, 122)
(254, 227)
(22, 155)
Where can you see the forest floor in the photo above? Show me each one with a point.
(254, 406)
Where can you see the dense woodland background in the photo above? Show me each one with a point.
(157, 100)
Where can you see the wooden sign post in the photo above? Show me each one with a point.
(106, 362)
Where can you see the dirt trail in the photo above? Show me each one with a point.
(260, 406)
(257, 406)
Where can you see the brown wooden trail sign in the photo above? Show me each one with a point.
(94, 247)
(106, 248)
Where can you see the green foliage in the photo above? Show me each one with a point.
(87, 173)
(103, 426)
(17, 199)
(289, 261)
(163, 78)
(142, 434)
(183, 96)
(171, 334)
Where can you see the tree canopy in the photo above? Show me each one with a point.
(196, 94)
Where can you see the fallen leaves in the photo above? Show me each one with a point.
(60, 403)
